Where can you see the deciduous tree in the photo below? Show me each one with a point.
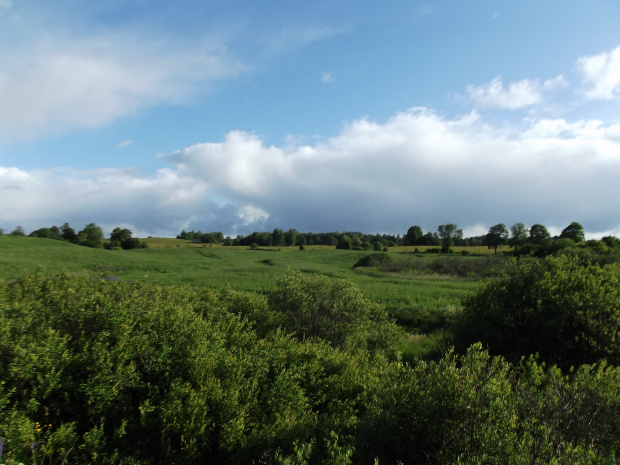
(573, 231)
(413, 236)
(497, 236)
(448, 233)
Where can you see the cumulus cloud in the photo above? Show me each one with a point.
(520, 94)
(327, 77)
(125, 143)
(415, 168)
(600, 75)
(78, 82)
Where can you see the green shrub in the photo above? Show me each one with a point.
(564, 310)
(381, 260)
(334, 310)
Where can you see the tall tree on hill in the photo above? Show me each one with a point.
(91, 236)
(68, 233)
(573, 231)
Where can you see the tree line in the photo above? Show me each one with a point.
(90, 236)
(535, 240)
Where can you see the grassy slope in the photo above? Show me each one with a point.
(176, 262)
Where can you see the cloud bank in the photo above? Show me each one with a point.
(418, 167)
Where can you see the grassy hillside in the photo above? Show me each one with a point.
(177, 262)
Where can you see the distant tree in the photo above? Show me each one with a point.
(413, 236)
(19, 231)
(539, 234)
(91, 236)
(497, 236)
(430, 239)
(68, 233)
(212, 237)
(43, 232)
(518, 236)
(611, 242)
(290, 237)
(123, 238)
(448, 233)
(344, 243)
(277, 237)
(574, 231)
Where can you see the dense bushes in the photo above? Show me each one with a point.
(333, 310)
(565, 310)
(105, 372)
(464, 267)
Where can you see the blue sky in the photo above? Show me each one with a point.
(321, 116)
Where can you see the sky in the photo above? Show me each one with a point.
(330, 115)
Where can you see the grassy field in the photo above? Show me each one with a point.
(422, 301)
(177, 262)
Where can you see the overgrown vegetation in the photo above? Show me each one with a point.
(107, 372)
(566, 311)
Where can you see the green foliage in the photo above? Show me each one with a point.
(563, 309)
(414, 236)
(90, 236)
(333, 310)
(68, 234)
(381, 260)
(573, 231)
(480, 409)
(518, 236)
(448, 234)
(48, 233)
(103, 372)
(138, 374)
(497, 236)
(19, 231)
(344, 243)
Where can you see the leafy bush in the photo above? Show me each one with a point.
(334, 310)
(142, 374)
(563, 309)
(381, 260)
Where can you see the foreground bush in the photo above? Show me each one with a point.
(104, 372)
(565, 310)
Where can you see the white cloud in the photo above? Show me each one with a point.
(124, 143)
(415, 168)
(520, 94)
(57, 84)
(327, 77)
(600, 75)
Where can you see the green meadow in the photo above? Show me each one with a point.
(176, 262)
